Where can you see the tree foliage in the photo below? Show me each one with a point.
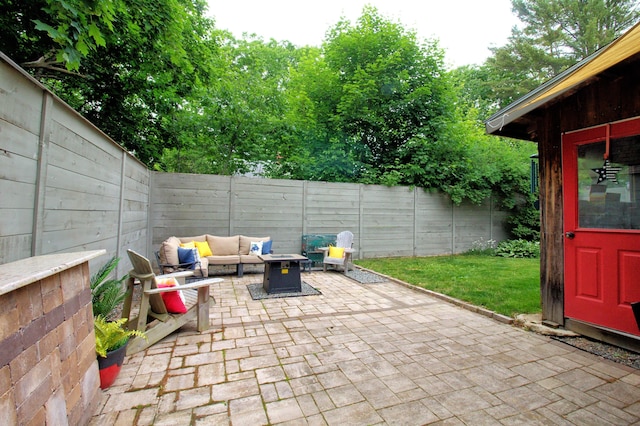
(553, 35)
(372, 104)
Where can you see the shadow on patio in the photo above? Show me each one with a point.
(362, 354)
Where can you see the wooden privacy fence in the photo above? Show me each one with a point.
(386, 221)
(65, 186)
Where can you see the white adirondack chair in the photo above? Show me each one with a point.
(344, 240)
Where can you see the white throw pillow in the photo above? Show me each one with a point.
(256, 248)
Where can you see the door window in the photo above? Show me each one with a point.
(609, 190)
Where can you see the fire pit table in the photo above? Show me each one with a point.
(282, 272)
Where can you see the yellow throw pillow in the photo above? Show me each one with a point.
(190, 244)
(337, 252)
(203, 248)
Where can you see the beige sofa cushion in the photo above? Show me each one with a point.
(199, 238)
(245, 244)
(169, 251)
(223, 260)
(223, 246)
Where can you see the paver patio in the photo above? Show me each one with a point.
(363, 354)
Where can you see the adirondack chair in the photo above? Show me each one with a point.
(152, 317)
(344, 241)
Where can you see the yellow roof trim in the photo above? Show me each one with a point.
(617, 51)
(620, 49)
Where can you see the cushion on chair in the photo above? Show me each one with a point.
(203, 248)
(187, 255)
(256, 248)
(169, 251)
(266, 246)
(336, 252)
(245, 243)
(172, 299)
(189, 245)
(223, 246)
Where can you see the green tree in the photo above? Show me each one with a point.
(236, 123)
(55, 35)
(155, 54)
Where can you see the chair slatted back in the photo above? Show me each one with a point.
(143, 271)
(344, 239)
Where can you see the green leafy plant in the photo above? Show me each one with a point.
(107, 294)
(518, 248)
(111, 335)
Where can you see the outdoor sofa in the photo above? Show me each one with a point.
(212, 251)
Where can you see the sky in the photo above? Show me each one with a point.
(465, 28)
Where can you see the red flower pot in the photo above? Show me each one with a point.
(110, 366)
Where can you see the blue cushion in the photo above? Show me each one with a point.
(186, 255)
(266, 247)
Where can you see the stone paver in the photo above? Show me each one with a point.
(361, 354)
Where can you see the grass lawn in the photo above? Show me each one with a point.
(504, 285)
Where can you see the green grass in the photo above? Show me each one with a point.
(504, 285)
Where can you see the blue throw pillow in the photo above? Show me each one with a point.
(186, 255)
(266, 247)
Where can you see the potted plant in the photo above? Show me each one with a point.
(112, 336)
(111, 347)
(107, 293)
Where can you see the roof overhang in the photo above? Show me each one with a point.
(510, 121)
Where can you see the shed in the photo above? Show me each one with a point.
(586, 122)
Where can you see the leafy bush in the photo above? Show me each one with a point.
(111, 335)
(518, 248)
(107, 294)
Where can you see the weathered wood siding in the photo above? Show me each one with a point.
(398, 221)
(65, 185)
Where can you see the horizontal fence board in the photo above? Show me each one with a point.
(15, 247)
(28, 146)
(88, 221)
(16, 194)
(16, 222)
(21, 100)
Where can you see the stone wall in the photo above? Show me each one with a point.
(48, 368)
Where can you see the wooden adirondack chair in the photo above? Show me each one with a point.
(152, 316)
(344, 240)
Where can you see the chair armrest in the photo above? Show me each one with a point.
(177, 266)
(196, 284)
(179, 274)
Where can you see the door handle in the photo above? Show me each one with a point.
(570, 235)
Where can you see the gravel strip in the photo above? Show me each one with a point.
(604, 350)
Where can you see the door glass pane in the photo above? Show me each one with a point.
(609, 191)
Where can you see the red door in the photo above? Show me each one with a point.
(601, 180)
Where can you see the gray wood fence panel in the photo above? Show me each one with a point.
(331, 208)
(434, 224)
(186, 205)
(20, 111)
(387, 221)
(262, 207)
(80, 201)
(471, 223)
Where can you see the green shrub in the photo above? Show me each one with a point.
(107, 293)
(111, 335)
(518, 248)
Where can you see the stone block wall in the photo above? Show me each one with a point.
(48, 368)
